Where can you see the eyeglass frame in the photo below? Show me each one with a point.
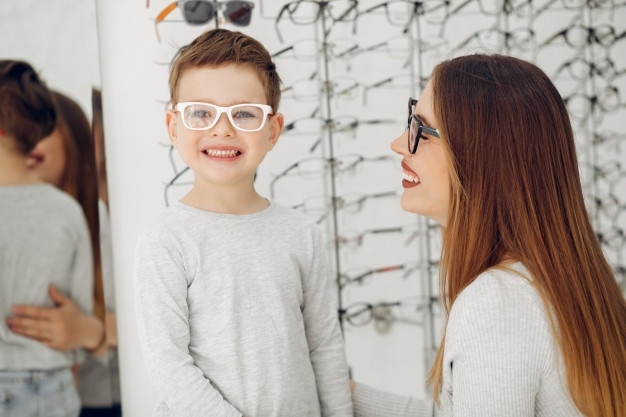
(179, 108)
(420, 129)
(292, 6)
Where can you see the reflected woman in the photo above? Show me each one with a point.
(66, 159)
(44, 240)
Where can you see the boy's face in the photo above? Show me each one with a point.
(222, 155)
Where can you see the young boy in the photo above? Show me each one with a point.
(235, 301)
(44, 240)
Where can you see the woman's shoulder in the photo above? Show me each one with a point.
(507, 285)
(501, 311)
(56, 202)
(501, 296)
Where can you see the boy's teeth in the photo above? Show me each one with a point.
(221, 153)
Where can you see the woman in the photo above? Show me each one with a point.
(66, 159)
(44, 240)
(536, 321)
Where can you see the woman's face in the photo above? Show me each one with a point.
(47, 159)
(425, 177)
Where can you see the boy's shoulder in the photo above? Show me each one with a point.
(164, 219)
(293, 216)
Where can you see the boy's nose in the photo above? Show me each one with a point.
(223, 126)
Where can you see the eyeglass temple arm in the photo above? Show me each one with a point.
(430, 131)
(279, 176)
(280, 15)
(162, 15)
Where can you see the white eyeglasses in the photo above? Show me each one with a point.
(247, 117)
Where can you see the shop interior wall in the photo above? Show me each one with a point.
(345, 103)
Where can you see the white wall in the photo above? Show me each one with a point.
(59, 39)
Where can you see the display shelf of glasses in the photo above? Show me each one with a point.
(348, 68)
(415, 36)
(338, 168)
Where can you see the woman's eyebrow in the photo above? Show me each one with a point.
(424, 120)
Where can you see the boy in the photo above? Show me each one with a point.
(44, 240)
(235, 304)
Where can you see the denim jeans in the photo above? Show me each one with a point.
(38, 394)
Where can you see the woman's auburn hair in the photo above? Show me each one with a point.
(516, 192)
(80, 179)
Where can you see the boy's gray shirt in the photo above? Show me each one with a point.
(237, 315)
(44, 240)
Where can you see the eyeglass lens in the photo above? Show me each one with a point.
(200, 116)
(239, 13)
(414, 133)
(412, 126)
(198, 12)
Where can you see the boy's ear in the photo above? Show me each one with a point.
(277, 122)
(172, 126)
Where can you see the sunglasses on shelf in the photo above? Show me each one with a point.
(198, 12)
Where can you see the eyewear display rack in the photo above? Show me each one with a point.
(388, 50)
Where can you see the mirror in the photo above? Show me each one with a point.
(59, 40)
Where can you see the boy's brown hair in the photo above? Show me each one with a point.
(220, 47)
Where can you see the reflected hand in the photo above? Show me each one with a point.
(111, 329)
(64, 327)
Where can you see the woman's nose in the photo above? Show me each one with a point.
(399, 144)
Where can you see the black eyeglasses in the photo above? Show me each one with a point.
(415, 127)
(305, 12)
(577, 36)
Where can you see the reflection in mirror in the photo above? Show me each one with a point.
(44, 243)
(59, 40)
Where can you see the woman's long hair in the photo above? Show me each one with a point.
(80, 178)
(516, 192)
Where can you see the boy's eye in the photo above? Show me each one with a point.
(242, 114)
(201, 114)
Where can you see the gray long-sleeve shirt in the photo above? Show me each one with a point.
(500, 358)
(43, 240)
(237, 315)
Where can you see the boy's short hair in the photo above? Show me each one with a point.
(220, 47)
(26, 107)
